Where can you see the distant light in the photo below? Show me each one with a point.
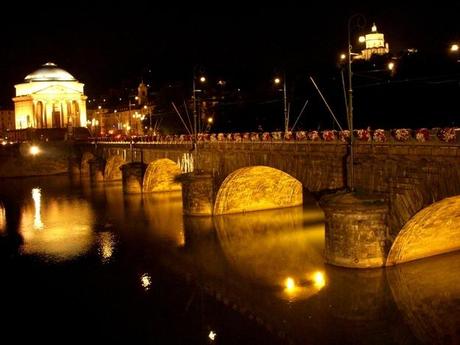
(146, 281)
(145, 107)
(391, 65)
(289, 284)
(99, 107)
(343, 56)
(120, 98)
(4, 142)
(34, 150)
(210, 120)
(221, 82)
(362, 39)
(454, 48)
(318, 280)
(136, 98)
(212, 335)
(277, 80)
(115, 111)
(202, 79)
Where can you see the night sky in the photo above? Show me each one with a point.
(114, 46)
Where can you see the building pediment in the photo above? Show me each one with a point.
(56, 90)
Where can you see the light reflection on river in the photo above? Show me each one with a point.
(260, 275)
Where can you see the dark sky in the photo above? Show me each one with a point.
(106, 45)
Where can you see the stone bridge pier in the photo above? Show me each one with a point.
(406, 204)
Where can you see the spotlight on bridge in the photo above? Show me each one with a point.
(34, 150)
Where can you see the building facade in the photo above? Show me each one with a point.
(50, 97)
(6, 120)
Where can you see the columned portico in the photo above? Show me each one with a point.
(50, 98)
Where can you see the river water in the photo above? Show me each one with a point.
(82, 263)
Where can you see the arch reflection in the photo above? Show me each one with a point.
(427, 293)
(274, 247)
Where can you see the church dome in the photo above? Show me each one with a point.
(49, 72)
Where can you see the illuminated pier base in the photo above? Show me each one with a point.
(133, 176)
(197, 194)
(96, 169)
(356, 230)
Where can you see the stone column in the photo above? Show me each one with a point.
(49, 115)
(96, 169)
(356, 230)
(133, 177)
(197, 194)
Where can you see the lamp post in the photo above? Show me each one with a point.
(360, 18)
(285, 112)
(195, 115)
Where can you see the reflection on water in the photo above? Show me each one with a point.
(37, 197)
(2, 220)
(60, 228)
(106, 246)
(428, 294)
(146, 281)
(266, 267)
(276, 248)
(164, 216)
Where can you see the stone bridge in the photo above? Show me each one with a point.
(406, 203)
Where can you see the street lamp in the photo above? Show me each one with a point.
(286, 118)
(360, 22)
(195, 115)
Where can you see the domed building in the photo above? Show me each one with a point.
(50, 97)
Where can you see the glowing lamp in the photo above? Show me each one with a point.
(34, 150)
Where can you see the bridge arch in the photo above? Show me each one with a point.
(112, 170)
(257, 188)
(160, 176)
(432, 231)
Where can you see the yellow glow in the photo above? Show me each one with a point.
(36, 196)
(106, 246)
(319, 280)
(136, 98)
(454, 48)
(146, 281)
(391, 65)
(202, 79)
(212, 335)
(362, 39)
(277, 80)
(257, 188)
(289, 284)
(2, 220)
(34, 150)
(343, 56)
(210, 120)
(67, 228)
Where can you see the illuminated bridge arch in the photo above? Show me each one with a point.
(433, 230)
(112, 170)
(257, 188)
(160, 176)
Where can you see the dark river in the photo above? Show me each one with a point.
(86, 264)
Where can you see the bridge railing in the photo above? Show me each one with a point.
(402, 135)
